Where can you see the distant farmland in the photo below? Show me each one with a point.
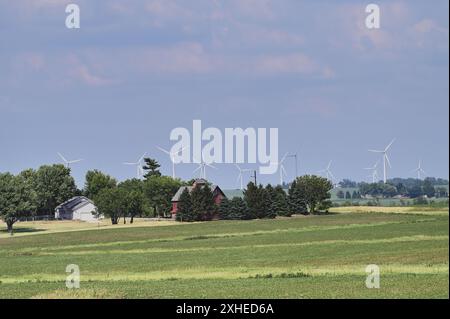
(299, 257)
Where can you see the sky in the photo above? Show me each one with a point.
(135, 70)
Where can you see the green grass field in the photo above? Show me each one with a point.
(300, 257)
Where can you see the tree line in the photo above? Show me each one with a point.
(307, 194)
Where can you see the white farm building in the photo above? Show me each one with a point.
(76, 208)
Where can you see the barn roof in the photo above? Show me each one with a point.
(176, 197)
(75, 203)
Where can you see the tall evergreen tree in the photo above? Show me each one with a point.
(280, 203)
(185, 212)
(151, 168)
(224, 209)
(296, 202)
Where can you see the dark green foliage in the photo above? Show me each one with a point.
(224, 209)
(203, 206)
(17, 199)
(53, 185)
(235, 208)
(97, 181)
(313, 191)
(151, 168)
(158, 191)
(110, 203)
(185, 209)
(279, 202)
(296, 201)
(428, 188)
(356, 195)
(258, 201)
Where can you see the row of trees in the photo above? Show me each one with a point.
(413, 190)
(39, 192)
(306, 194)
(347, 195)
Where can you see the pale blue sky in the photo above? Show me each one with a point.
(137, 69)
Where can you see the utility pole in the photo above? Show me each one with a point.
(296, 163)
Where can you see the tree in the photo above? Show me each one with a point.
(110, 203)
(96, 181)
(185, 210)
(428, 188)
(209, 206)
(17, 199)
(158, 192)
(225, 209)
(441, 192)
(346, 183)
(203, 205)
(258, 201)
(151, 168)
(136, 203)
(415, 191)
(296, 201)
(239, 209)
(314, 191)
(251, 197)
(53, 185)
(279, 202)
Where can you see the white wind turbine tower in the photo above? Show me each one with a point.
(172, 157)
(385, 159)
(281, 168)
(329, 175)
(419, 170)
(67, 162)
(139, 169)
(240, 176)
(202, 168)
(374, 170)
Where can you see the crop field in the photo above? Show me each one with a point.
(321, 256)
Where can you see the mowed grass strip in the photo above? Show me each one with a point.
(331, 247)
(346, 286)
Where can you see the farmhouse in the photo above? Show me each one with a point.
(218, 194)
(76, 208)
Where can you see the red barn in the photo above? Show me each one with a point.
(217, 193)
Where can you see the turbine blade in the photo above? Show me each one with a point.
(389, 146)
(376, 151)
(284, 158)
(163, 150)
(195, 170)
(141, 158)
(62, 157)
(388, 161)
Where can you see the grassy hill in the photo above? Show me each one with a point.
(300, 257)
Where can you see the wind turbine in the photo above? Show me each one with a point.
(419, 170)
(202, 168)
(240, 176)
(139, 169)
(67, 162)
(172, 157)
(385, 159)
(281, 168)
(374, 170)
(328, 173)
